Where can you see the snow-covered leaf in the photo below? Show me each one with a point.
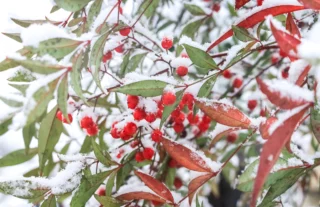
(130, 65)
(27, 23)
(49, 202)
(94, 11)
(72, 5)
(240, 3)
(21, 189)
(38, 66)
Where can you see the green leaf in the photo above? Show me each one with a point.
(22, 189)
(171, 175)
(49, 202)
(8, 63)
(28, 132)
(206, 88)
(10, 102)
(103, 158)
(168, 109)
(4, 124)
(17, 157)
(96, 56)
(246, 180)
(14, 36)
(200, 58)
(194, 9)
(122, 174)
(242, 34)
(65, 149)
(110, 183)
(72, 5)
(41, 99)
(49, 134)
(190, 30)
(63, 96)
(128, 66)
(279, 188)
(145, 88)
(56, 47)
(151, 8)
(54, 9)
(27, 23)
(37, 66)
(75, 21)
(108, 201)
(22, 75)
(86, 146)
(94, 11)
(87, 188)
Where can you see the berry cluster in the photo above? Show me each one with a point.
(89, 126)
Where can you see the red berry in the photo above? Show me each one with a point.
(166, 43)
(93, 130)
(177, 183)
(124, 136)
(178, 127)
(232, 137)
(125, 31)
(119, 155)
(187, 98)
(180, 118)
(216, 7)
(227, 74)
(285, 73)
(262, 112)
(206, 119)
(130, 129)
(119, 49)
(274, 59)
(237, 83)
(115, 133)
(107, 57)
(134, 144)
(282, 54)
(168, 98)
(148, 153)
(156, 135)
(252, 104)
(132, 101)
(159, 113)
(86, 122)
(175, 113)
(184, 55)
(182, 71)
(173, 163)
(203, 126)
(192, 119)
(101, 191)
(120, 10)
(139, 157)
(64, 120)
(139, 114)
(151, 117)
(156, 203)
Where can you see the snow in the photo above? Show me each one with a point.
(218, 130)
(296, 68)
(309, 47)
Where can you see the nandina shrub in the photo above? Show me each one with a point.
(120, 113)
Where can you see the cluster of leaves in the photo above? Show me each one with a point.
(63, 65)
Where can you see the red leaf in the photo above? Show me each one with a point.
(220, 132)
(241, 3)
(282, 97)
(257, 17)
(291, 26)
(311, 4)
(225, 114)
(156, 186)
(197, 183)
(286, 42)
(272, 149)
(185, 157)
(259, 2)
(303, 75)
(140, 195)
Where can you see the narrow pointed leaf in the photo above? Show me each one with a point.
(196, 183)
(303, 75)
(185, 157)
(17, 157)
(292, 27)
(194, 9)
(39, 66)
(200, 58)
(63, 96)
(285, 95)
(28, 132)
(145, 88)
(272, 149)
(14, 36)
(94, 11)
(72, 5)
(108, 201)
(140, 195)
(27, 23)
(240, 3)
(9, 63)
(242, 34)
(156, 186)
(225, 114)
(315, 121)
(49, 202)
(104, 158)
(256, 16)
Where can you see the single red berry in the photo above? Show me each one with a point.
(237, 83)
(192, 119)
(132, 101)
(252, 104)
(156, 203)
(166, 43)
(130, 129)
(282, 54)
(139, 157)
(187, 98)
(285, 73)
(124, 136)
(93, 130)
(175, 113)
(156, 135)
(139, 114)
(232, 137)
(182, 71)
(148, 153)
(180, 118)
(262, 112)
(120, 10)
(151, 117)
(86, 122)
(206, 119)
(216, 7)
(119, 49)
(227, 74)
(159, 113)
(119, 155)
(168, 98)
(203, 126)
(101, 191)
(274, 59)
(115, 133)
(125, 31)
(107, 57)
(178, 127)
(177, 183)
(173, 163)
(134, 144)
